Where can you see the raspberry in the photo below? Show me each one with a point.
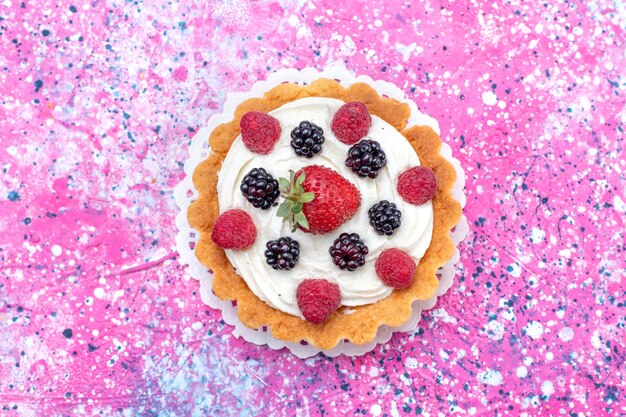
(417, 185)
(351, 122)
(317, 299)
(259, 131)
(234, 229)
(395, 268)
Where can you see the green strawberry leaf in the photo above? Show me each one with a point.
(283, 185)
(300, 179)
(296, 208)
(294, 199)
(284, 209)
(307, 197)
(302, 220)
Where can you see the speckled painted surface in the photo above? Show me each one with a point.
(99, 102)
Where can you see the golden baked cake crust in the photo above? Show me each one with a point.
(361, 325)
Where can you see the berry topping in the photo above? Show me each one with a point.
(234, 229)
(282, 253)
(351, 122)
(260, 188)
(395, 268)
(317, 299)
(259, 131)
(336, 199)
(348, 251)
(366, 158)
(384, 217)
(417, 185)
(318, 200)
(307, 139)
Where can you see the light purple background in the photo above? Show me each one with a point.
(99, 101)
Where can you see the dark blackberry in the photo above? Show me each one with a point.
(282, 253)
(307, 139)
(260, 188)
(348, 251)
(384, 217)
(366, 158)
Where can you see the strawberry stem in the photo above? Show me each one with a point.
(295, 198)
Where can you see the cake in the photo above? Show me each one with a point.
(321, 215)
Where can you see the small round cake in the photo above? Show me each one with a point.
(321, 214)
(359, 286)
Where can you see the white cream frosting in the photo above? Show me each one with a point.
(362, 286)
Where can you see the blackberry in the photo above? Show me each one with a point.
(260, 188)
(307, 139)
(366, 158)
(384, 217)
(282, 253)
(348, 251)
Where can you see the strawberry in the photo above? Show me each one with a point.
(259, 131)
(234, 229)
(318, 200)
(351, 122)
(317, 299)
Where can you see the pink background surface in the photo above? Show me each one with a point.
(99, 102)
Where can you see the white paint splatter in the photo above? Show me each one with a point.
(442, 314)
(547, 388)
(490, 98)
(619, 204)
(515, 270)
(537, 235)
(566, 253)
(595, 340)
(534, 329)
(566, 334)
(490, 377)
(56, 250)
(411, 363)
(495, 330)
(293, 21)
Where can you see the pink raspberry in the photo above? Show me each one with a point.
(417, 185)
(259, 131)
(395, 268)
(317, 299)
(234, 229)
(351, 122)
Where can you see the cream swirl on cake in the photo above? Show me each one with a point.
(363, 286)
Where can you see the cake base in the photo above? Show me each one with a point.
(363, 326)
